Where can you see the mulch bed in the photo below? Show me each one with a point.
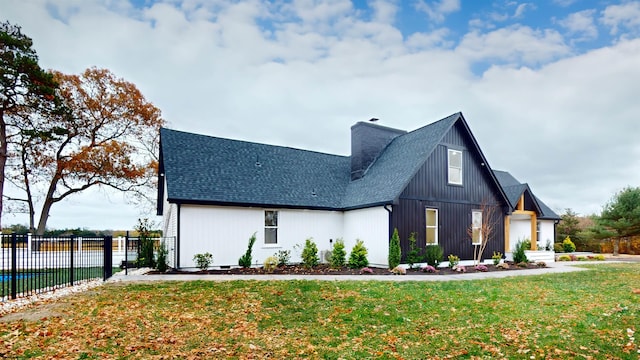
(326, 270)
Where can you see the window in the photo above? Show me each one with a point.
(270, 227)
(455, 166)
(432, 226)
(476, 227)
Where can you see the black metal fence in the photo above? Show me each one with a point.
(32, 264)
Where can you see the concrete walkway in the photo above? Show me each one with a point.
(553, 268)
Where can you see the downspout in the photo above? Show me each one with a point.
(177, 253)
(390, 220)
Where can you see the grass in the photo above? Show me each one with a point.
(590, 314)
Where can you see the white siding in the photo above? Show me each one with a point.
(225, 232)
(546, 233)
(372, 227)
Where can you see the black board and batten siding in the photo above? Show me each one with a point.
(429, 188)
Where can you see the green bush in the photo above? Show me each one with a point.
(433, 255)
(518, 253)
(564, 258)
(310, 254)
(568, 245)
(283, 257)
(203, 261)
(270, 264)
(338, 255)
(145, 250)
(358, 257)
(453, 260)
(557, 247)
(599, 257)
(395, 252)
(246, 259)
(161, 261)
(496, 257)
(414, 255)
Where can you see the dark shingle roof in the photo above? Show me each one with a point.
(212, 170)
(208, 169)
(514, 189)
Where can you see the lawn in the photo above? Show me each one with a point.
(589, 314)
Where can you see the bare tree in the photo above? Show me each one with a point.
(483, 225)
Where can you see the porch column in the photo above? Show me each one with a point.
(507, 223)
(534, 233)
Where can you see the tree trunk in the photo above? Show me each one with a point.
(3, 158)
(46, 207)
(616, 246)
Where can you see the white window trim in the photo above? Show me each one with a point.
(450, 167)
(431, 227)
(276, 244)
(474, 227)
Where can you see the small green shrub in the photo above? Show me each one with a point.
(246, 259)
(339, 255)
(203, 261)
(414, 255)
(582, 258)
(518, 253)
(395, 252)
(568, 245)
(564, 258)
(453, 260)
(270, 264)
(496, 257)
(161, 261)
(358, 257)
(599, 257)
(310, 254)
(433, 255)
(283, 257)
(557, 247)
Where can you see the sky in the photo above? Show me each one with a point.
(550, 89)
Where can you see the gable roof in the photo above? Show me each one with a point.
(514, 189)
(203, 169)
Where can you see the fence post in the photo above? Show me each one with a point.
(126, 253)
(29, 246)
(71, 274)
(108, 258)
(14, 266)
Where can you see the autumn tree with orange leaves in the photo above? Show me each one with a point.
(107, 136)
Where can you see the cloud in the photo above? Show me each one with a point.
(625, 16)
(581, 24)
(437, 10)
(513, 44)
(565, 3)
(521, 8)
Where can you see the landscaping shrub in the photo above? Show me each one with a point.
(564, 258)
(433, 255)
(310, 254)
(246, 259)
(496, 257)
(203, 261)
(453, 260)
(568, 246)
(283, 257)
(482, 268)
(339, 255)
(145, 250)
(428, 269)
(358, 256)
(599, 257)
(270, 264)
(518, 253)
(414, 255)
(557, 247)
(161, 261)
(523, 264)
(395, 253)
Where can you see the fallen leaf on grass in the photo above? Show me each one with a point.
(636, 291)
